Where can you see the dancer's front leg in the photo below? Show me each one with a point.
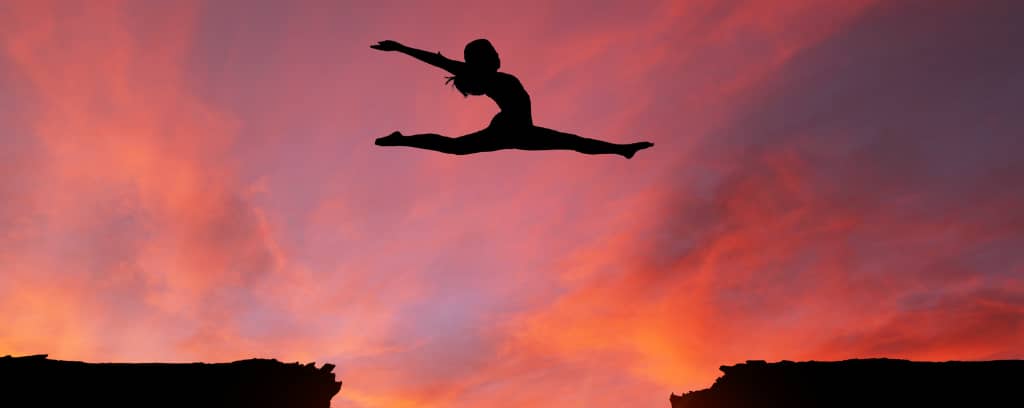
(424, 141)
(468, 144)
(394, 139)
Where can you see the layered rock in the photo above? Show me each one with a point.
(37, 381)
(868, 383)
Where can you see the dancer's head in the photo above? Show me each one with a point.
(481, 56)
(481, 59)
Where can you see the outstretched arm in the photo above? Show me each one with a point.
(435, 59)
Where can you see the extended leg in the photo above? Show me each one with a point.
(541, 138)
(477, 142)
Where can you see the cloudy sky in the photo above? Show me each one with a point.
(197, 181)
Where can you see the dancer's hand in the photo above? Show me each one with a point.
(387, 45)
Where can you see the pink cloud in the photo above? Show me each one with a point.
(198, 181)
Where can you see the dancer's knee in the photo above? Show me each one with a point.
(471, 144)
(457, 147)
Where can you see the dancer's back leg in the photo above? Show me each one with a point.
(541, 138)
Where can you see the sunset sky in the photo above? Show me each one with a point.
(197, 181)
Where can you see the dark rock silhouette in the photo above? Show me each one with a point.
(512, 128)
(36, 381)
(862, 383)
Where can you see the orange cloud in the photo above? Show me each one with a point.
(198, 181)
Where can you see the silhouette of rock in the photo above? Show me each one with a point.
(36, 381)
(867, 382)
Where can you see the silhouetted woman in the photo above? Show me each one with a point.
(512, 128)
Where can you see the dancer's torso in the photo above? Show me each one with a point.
(512, 99)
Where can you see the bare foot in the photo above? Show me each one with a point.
(390, 140)
(632, 148)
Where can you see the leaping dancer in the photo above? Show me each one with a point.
(512, 127)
